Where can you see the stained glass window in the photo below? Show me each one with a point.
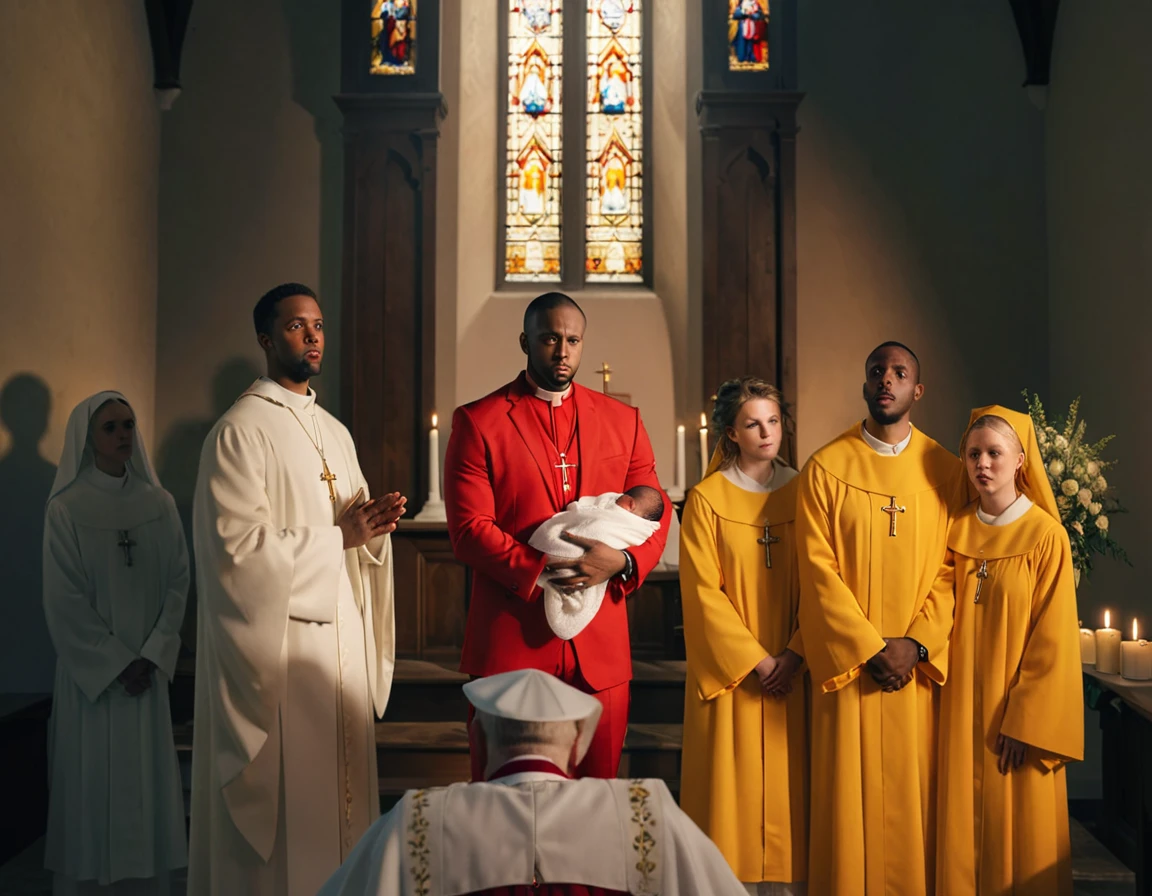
(534, 146)
(614, 155)
(747, 35)
(393, 37)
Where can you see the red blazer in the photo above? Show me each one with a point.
(496, 476)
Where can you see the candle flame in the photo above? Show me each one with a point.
(680, 428)
(435, 419)
(1135, 636)
(1107, 619)
(703, 421)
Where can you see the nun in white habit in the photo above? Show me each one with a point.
(115, 584)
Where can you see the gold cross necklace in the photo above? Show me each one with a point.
(327, 477)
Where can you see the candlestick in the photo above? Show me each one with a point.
(433, 510)
(1107, 647)
(703, 445)
(1087, 645)
(1136, 657)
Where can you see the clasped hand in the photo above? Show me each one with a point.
(776, 673)
(137, 676)
(595, 566)
(892, 668)
(361, 521)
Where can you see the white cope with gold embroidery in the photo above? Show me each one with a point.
(616, 834)
(296, 646)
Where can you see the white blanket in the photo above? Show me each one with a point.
(596, 517)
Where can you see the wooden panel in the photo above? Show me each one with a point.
(431, 597)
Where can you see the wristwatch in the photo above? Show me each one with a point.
(629, 567)
(921, 650)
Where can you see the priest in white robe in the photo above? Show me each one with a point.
(531, 828)
(295, 637)
(115, 586)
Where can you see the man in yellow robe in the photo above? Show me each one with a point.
(871, 524)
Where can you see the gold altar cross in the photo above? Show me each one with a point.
(328, 477)
(126, 544)
(606, 372)
(981, 575)
(892, 509)
(564, 467)
(768, 540)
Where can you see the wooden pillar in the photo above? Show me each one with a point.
(747, 120)
(388, 338)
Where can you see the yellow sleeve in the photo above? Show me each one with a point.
(837, 635)
(932, 626)
(720, 649)
(1046, 701)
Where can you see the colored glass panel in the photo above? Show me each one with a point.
(534, 154)
(393, 37)
(747, 35)
(614, 153)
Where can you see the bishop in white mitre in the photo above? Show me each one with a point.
(295, 637)
(531, 828)
(115, 586)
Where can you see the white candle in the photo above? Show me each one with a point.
(434, 461)
(681, 479)
(1087, 646)
(1107, 647)
(1136, 657)
(703, 445)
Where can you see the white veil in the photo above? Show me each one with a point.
(77, 454)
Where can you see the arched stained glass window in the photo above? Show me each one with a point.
(584, 222)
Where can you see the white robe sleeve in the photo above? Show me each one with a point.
(163, 644)
(375, 865)
(261, 575)
(84, 642)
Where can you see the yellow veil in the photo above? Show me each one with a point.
(1032, 478)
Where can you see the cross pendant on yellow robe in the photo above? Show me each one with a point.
(328, 477)
(564, 467)
(981, 575)
(892, 510)
(768, 540)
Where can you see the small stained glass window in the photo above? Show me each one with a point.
(393, 37)
(747, 35)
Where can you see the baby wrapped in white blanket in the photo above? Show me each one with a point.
(619, 520)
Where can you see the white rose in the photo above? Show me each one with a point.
(1102, 523)
(1094, 508)
(1093, 468)
(1078, 471)
(1085, 497)
(1061, 443)
(1070, 487)
(1079, 529)
(1056, 468)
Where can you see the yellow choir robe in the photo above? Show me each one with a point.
(1015, 669)
(744, 770)
(873, 754)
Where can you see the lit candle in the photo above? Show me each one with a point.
(1136, 657)
(1087, 645)
(703, 445)
(681, 479)
(1107, 647)
(434, 461)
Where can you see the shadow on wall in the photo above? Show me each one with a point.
(178, 461)
(27, 658)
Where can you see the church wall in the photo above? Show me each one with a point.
(78, 179)
(920, 209)
(1098, 142)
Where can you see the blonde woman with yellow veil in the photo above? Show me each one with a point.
(745, 761)
(1011, 714)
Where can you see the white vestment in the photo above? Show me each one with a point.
(296, 646)
(620, 835)
(116, 805)
(597, 517)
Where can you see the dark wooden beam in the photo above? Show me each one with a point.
(1036, 23)
(167, 26)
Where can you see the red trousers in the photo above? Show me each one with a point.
(603, 757)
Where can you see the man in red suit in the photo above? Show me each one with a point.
(516, 457)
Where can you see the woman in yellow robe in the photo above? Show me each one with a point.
(1012, 712)
(744, 777)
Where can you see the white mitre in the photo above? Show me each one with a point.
(530, 695)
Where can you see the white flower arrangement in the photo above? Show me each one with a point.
(1075, 471)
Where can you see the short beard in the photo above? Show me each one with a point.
(301, 371)
(885, 418)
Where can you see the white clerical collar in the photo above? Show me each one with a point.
(306, 402)
(883, 447)
(1011, 513)
(553, 398)
(104, 482)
